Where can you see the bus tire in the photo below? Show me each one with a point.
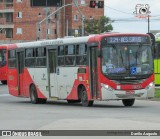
(33, 95)
(73, 101)
(84, 98)
(4, 82)
(42, 100)
(128, 102)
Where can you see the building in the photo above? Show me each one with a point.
(19, 19)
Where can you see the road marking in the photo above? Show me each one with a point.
(4, 95)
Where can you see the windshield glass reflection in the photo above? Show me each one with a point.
(127, 59)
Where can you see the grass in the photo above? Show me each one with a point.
(157, 93)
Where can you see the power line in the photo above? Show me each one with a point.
(127, 12)
(133, 19)
(117, 10)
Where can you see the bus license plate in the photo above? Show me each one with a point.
(130, 92)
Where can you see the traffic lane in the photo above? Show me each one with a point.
(19, 113)
(3, 89)
(112, 115)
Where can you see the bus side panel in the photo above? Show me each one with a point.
(41, 81)
(66, 77)
(87, 83)
(157, 79)
(157, 71)
(28, 81)
(155, 65)
(74, 92)
(80, 79)
(13, 82)
(73, 95)
(3, 73)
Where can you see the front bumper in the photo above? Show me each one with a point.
(111, 94)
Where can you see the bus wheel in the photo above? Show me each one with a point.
(84, 98)
(128, 102)
(43, 100)
(4, 82)
(33, 95)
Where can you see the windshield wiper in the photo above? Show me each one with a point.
(122, 57)
(140, 46)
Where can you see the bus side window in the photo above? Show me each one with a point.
(70, 55)
(12, 59)
(30, 60)
(2, 58)
(41, 57)
(81, 54)
(30, 52)
(60, 55)
(40, 52)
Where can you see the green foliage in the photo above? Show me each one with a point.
(94, 26)
(157, 93)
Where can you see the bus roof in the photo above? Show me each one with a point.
(71, 40)
(59, 41)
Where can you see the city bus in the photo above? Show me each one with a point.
(157, 59)
(3, 64)
(110, 66)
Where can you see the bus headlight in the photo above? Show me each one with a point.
(150, 85)
(107, 87)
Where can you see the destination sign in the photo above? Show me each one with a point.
(55, 42)
(128, 39)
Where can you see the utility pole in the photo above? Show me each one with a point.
(39, 23)
(67, 28)
(47, 10)
(82, 16)
(53, 13)
(64, 19)
(148, 24)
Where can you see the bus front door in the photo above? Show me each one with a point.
(52, 73)
(20, 70)
(93, 72)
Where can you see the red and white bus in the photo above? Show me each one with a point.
(83, 69)
(3, 64)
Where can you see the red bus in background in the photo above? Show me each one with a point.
(109, 66)
(3, 64)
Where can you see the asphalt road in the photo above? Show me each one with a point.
(20, 114)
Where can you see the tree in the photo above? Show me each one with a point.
(94, 26)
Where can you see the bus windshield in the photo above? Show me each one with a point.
(127, 60)
(2, 58)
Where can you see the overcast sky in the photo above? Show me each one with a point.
(123, 10)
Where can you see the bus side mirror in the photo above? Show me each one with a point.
(99, 53)
(153, 40)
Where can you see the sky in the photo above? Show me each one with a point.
(119, 10)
